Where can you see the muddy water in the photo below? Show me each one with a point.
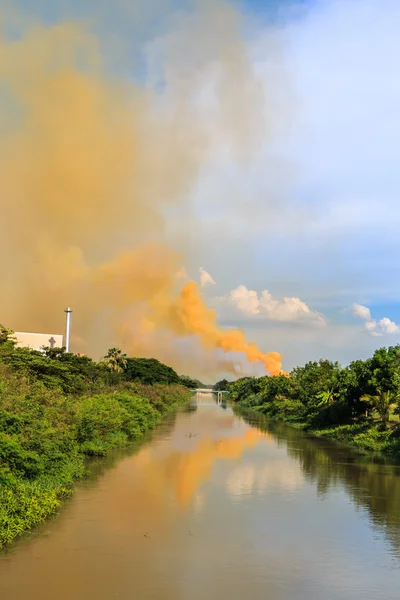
(215, 506)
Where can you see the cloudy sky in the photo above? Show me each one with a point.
(314, 271)
(303, 246)
(332, 240)
(300, 245)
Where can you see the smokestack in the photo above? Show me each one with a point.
(68, 312)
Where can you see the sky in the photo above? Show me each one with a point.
(325, 226)
(298, 245)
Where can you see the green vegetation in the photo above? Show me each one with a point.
(224, 384)
(57, 409)
(357, 404)
(193, 383)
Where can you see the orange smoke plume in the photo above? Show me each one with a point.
(90, 165)
(190, 315)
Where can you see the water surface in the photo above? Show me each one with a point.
(216, 506)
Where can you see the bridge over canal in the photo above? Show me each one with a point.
(219, 393)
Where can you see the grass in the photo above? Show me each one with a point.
(364, 436)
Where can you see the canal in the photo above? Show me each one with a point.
(215, 505)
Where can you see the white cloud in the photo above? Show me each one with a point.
(205, 278)
(274, 475)
(388, 326)
(374, 328)
(244, 300)
(251, 304)
(361, 311)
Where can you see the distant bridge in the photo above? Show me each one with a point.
(209, 391)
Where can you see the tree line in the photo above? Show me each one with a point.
(358, 403)
(74, 373)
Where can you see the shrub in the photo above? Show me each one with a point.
(50, 421)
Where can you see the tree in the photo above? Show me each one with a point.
(382, 402)
(115, 360)
(149, 371)
(328, 397)
(224, 384)
(80, 366)
(7, 336)
(355, 382)
(385, 368)
(35, 366)
(189, 382)
(314, 377)
(246, 390)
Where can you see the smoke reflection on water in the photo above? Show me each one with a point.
(212, 505)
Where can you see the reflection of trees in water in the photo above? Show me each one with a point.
(371, 484)
(191, 407)
(99, 466)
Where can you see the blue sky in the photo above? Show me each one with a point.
(316, 214)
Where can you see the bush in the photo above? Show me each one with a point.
(50, 421)
(23, 505)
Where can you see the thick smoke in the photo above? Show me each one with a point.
(90, 164)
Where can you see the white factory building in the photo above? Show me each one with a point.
(36, 341)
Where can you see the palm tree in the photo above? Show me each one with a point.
(328, 397)
(382, 402)
(115, 360)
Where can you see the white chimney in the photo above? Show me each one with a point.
(68, 312)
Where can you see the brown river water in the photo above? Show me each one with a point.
(214, 505)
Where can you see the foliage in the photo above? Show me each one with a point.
(24, 505)
(382, 402)
(57, 409)
(6, 336)
(115, 360)
(224, 384)
(192, 383)
(149, 371)
(57, 371)
(325, 397)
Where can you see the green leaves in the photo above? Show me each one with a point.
(45, 436)
(224, 384)
(7, 337)
(24, 505)
(383, 403)
(328, 397)
(326, 394)
(57, 408)
(115, 360)
(149, 371)
(385, 369)
(18, 460)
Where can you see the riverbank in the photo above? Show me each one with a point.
(46, 438)
(358, 405)
(226, 498)
(362, 436)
